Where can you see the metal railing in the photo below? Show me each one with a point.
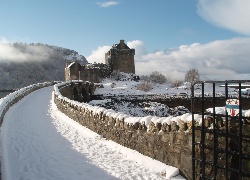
(221, 140)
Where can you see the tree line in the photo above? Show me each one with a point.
(191, 76)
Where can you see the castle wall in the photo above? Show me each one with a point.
(72, 71)
(124, 62)
(121, 60)
(79, 91)
(90, 72)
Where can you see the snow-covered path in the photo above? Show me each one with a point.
(39, 142)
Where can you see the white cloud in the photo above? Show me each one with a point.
(98, 55)
(107, 4)
(217, 60)
(139, 46)
(10, 53)
(4, 40)
(230, 14)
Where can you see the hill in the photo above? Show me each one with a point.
(25, 64)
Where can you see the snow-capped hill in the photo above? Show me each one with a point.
(71, 55)
(24, 64)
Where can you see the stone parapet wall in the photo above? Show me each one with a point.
(170, 143)
(167, 141)
(172, 148)
(11, 99)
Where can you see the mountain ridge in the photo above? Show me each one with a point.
(24, 64)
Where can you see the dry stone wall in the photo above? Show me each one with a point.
(162, 142)
(168, 142)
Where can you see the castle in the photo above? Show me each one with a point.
(119, 58)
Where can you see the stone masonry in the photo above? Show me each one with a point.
(168, 143)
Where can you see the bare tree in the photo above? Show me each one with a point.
(157, 77)
(192, 76)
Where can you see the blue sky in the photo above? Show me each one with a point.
(90, 27)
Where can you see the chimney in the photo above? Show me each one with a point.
(121, 41)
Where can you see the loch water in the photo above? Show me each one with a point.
(4, 93)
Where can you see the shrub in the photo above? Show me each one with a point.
(145, 86)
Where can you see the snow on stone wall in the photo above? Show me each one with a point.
(96, 110)
(166, 139)
(157, 137)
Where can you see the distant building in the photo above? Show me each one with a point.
(119, 58)
(88, 72)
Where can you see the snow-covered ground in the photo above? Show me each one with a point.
(39, 142)
(130, 88)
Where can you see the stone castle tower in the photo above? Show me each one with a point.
(121, 58)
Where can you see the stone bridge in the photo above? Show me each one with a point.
(78, 91)
(170, 143)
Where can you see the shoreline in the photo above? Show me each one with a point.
(11, 90)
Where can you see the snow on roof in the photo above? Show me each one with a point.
(71, 64)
